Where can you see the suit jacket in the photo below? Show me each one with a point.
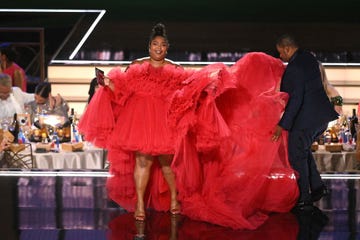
(308, 106)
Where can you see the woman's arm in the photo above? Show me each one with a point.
(59, 105)
(331, 91)
(18, 79)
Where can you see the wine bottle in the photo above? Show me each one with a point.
(353, 121)
(15, 128)
(72, 116)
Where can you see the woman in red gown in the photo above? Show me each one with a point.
(217, 122)
(134, 127)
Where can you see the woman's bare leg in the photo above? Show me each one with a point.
(141, 177)
(165, 162)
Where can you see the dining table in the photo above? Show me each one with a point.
(34, 156)
(90, 157)
(344, 161)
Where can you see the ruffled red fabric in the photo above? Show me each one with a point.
(97, 121)
(239, 180)
(134, 116)
(142, 124)
(218, 121)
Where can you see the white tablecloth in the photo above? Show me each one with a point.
(90, 158)
(336, 161)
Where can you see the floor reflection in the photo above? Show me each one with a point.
(164, 226)
(67, 208)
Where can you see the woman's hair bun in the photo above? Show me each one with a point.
(159, 30)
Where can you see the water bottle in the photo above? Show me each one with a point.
(57, 142)
(21, 137)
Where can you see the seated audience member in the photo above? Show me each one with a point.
(331, 91)
(12, 99)
(47, 104)
(10, 67)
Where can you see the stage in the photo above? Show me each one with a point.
(67, 205)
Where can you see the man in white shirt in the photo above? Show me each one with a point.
(12, 99)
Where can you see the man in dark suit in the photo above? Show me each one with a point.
(306, 116)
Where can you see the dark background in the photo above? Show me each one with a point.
(202, 25)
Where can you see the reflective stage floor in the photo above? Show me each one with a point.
(74, 206)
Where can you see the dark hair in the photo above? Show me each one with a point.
(287, 40)
(93, 85)
(158, 30)
(43, 89)
(9, 51)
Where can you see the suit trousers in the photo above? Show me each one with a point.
(302, 160)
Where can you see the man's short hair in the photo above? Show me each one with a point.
(5, 80)
(286, 40)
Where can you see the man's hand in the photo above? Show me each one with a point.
(5, 143)
(277, 133)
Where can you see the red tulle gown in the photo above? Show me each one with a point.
(218, 121)
(132, 118)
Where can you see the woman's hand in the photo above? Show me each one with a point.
(55, 101)
(109, 83)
